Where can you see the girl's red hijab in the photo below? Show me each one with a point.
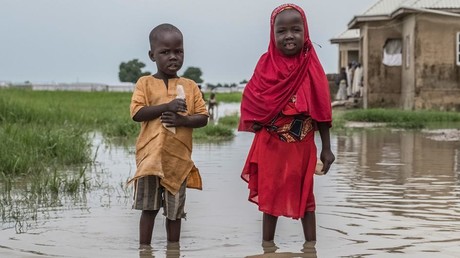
(278, 77)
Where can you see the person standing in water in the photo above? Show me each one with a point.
(285, 102)
(163, 102)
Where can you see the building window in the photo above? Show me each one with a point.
(407, 51)
(458, 48)
(392, 52)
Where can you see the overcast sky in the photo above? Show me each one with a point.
(86, 40)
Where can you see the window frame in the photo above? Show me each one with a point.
(407, 45)
(457, 43)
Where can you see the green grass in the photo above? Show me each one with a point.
(87, 109)
(43, 129)
(229, 97)
(28, 148)
(338, 121)
(229, 121)
(213, 133)
(44, 134)
(222, 130)
(401, 119)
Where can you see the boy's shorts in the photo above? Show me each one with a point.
(149, 194)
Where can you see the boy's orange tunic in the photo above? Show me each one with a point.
(160, 152)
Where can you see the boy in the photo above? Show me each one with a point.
(163, 157)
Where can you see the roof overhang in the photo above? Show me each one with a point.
(357, 20)
(346, 40)
(348, 36)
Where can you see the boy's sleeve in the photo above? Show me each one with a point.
(200, 105)
(138, 99)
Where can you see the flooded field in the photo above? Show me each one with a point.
(390, 193)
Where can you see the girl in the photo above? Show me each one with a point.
(285, 101)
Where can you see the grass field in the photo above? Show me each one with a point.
(43, 129)
(398, 118)
(43, 132)
(226, 97)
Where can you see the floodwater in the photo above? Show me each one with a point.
(391, 193)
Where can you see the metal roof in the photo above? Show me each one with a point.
(389, 9)
(349, 34)
(386, 7)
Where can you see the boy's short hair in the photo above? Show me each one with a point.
(158, 30)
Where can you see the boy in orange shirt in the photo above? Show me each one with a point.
(164, 145)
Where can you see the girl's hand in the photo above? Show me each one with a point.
(327, 157)
(177, 105)
(171, 119)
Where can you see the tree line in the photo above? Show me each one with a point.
(132, 70)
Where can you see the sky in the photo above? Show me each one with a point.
(66, 41)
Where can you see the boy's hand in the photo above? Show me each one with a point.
(177, 105)
(171, 119)
(327, 157)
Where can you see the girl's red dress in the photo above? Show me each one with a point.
(280, 173)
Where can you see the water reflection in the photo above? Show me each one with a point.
(146, 251)
(270, 250)
(389, 193)
(402, 172)
(172, 251)
(400, 193)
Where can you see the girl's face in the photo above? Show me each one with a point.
(289, 32)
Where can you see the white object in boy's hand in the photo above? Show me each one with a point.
(180, 95)
(180, 92)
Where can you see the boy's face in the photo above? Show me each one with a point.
(289, 32)
(168, 53)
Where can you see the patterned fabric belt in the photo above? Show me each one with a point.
(293, 130)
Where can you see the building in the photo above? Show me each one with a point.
(121, 87)
(409, 51)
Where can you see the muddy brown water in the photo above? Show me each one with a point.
(390, 194)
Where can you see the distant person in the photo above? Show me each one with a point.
(212, 104)
(202, 93)
(163, 158)
(341, 83)
(284, 103)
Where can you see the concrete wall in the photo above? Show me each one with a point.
(408, 66)
(382, 84)
(437, 76)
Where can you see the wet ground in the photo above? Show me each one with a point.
(391, 193)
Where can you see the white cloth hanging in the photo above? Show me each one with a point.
(392, 52)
